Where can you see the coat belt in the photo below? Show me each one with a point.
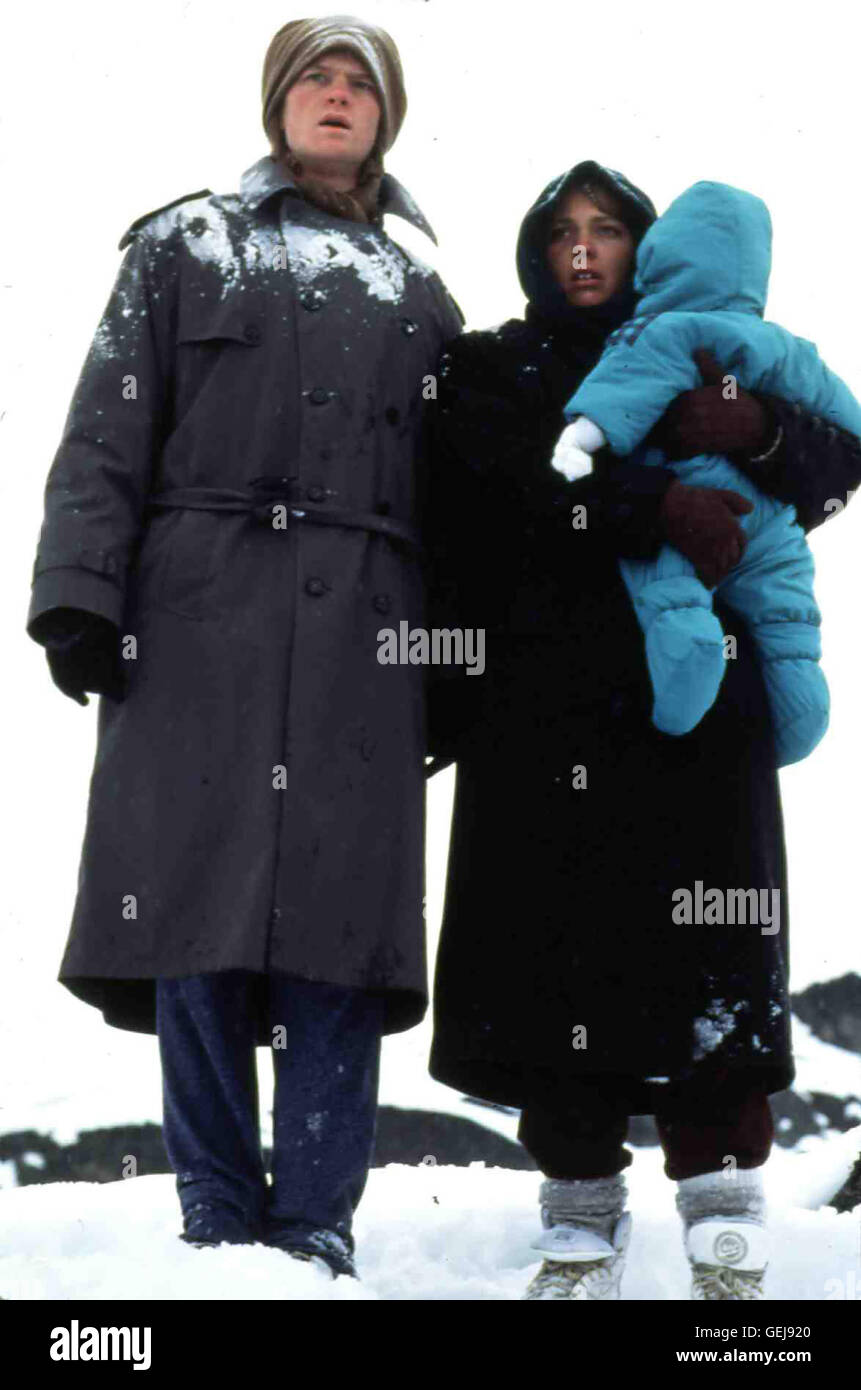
(260, 503)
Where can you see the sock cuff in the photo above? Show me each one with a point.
(740, 1195)
(568, 1199)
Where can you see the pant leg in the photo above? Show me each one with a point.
(697, 1134)
(683, 638)
(325, 1106)
(209, 1089)
(577, 1132)
(772, 589)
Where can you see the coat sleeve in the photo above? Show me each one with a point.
(645, 365)
(451, 315)
(816, 466)
(799, 374)
(490, 458)
(99, 479)
(494, 499)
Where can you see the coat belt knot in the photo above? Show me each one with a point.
(269, 491)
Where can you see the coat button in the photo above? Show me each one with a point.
(617, 705)
(312, 300)
(252, 333)
(319, 396)
(409, 326)
(315, 587)
(623, 511)
(316, 493)
(382, 602)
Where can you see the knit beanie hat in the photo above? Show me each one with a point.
(293, 48)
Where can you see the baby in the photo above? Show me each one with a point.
(702, 272)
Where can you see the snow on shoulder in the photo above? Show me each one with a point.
(217, 233)
(380, 264)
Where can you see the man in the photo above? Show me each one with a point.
(231, 512)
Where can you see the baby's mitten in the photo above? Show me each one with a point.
(575, 447)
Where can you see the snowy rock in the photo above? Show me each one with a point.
(833, 1011)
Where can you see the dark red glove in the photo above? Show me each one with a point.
(700, 522)
(83, 654)
(703, 422)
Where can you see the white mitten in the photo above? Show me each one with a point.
(575, 447)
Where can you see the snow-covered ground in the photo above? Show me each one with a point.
(423, 1232)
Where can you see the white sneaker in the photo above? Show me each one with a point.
(728, 1259)
(579, 1264)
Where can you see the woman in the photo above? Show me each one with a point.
(566, 983)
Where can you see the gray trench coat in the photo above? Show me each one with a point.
(257, 798)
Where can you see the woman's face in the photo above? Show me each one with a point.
(590, 252)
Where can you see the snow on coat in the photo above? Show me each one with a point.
(702, 271)
(257, 798)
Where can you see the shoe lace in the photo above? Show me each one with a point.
(719, 1282)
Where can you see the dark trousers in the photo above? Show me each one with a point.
(579, 1131)
(325, 1103)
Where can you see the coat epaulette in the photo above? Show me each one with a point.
(186, 198)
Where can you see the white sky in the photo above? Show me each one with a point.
(112, 109)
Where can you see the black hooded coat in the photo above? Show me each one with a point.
(562, 956)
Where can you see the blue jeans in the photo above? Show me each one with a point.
(325, 1103)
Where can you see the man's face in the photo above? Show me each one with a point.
(336, 87)
(607, 250)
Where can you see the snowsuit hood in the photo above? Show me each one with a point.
(536, 278)
(711, 249)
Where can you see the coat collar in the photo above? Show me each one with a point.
(266, 178)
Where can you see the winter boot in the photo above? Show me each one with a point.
(585, 1238)
(316, 1260)
(725, 1238)
(325, 1249)
(207, 1224)
(685, 656)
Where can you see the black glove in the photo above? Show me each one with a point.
(83, 654)
(700, 522)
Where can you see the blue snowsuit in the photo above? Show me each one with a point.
(702, 272)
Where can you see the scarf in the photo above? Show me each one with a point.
(360, 204)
